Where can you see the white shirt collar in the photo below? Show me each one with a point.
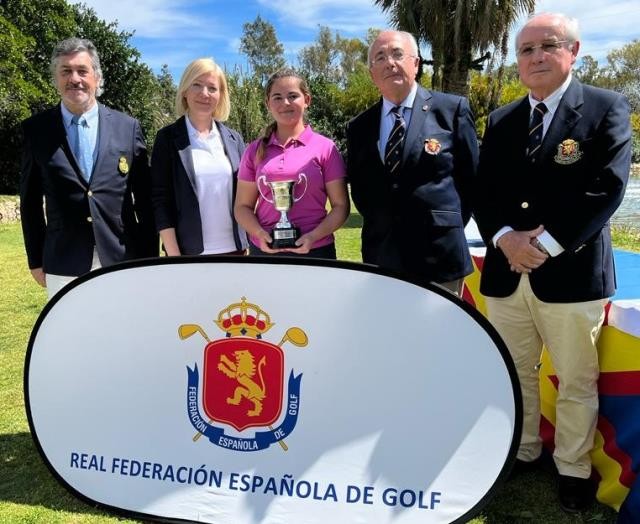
(553, 100)
(194, 133)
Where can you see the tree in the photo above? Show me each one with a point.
(320, 59)
(623, 67)
(353, 53)
(248, 113)
(456, 31)
(21, 88)
(129, 84)
(332, 57)
(166, 96)
(588, 71)
(46, 21)
(260, 43)
(29, 30)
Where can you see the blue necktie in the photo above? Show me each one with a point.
(393, 149)
(83, 150)
(535, 131)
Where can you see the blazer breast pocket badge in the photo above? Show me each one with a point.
(568, 152)
(432, 146)
(123, 166)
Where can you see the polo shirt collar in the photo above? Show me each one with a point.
(303, 137)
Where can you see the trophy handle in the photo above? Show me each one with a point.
(301, 177)
(262, 179)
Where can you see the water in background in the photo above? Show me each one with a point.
(628, 213)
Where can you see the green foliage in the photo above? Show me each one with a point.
(260, 43)
(29, 31)
(622, 74)
(47, 22)
(248, 111)
(332, 57)
(319, 59)
(457, 32)
(130, 85)
(27, 27)
(359, 92)
(326, 113)
(588, 71)
(623, 67)
(635, 126)
(625, 237)
(21, 88)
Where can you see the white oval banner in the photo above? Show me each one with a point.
(240, 390)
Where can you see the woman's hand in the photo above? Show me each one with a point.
(265, 238)
(304, 243)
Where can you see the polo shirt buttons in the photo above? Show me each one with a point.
(524, 205)
(89, 193)
(89, 219)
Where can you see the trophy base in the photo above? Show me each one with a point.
(284, 238)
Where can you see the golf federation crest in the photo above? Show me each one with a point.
(568, 152)
(243, 381)
(432, 146)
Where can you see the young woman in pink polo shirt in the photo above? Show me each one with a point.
(290, 150)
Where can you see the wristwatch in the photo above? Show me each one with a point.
(535, 242)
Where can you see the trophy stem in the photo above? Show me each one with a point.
(284, 220)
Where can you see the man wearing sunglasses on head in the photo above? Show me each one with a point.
(553, 169)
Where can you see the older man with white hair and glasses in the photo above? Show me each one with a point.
(411, 162)
(553, 169)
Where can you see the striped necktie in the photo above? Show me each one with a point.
(82, 150)
(535, 131)
(393, 149)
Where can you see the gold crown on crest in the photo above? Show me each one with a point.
(244, 319)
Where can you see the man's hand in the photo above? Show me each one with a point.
(39, 276)
(522, 256)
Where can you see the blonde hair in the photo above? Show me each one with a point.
(285, 72)
(202, 66)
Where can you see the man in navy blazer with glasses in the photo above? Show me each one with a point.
(553, 169)
(411, 162)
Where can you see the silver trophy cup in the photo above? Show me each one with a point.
(284, 233)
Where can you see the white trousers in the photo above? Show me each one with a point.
(56, 282)
(569, 332)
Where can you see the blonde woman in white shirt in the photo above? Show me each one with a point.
(194, 168)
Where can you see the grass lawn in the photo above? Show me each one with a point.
(30, 494)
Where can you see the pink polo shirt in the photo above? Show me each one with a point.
(312, 154)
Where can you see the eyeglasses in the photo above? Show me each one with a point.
(196, 87)
(395, 56)
(546, 47)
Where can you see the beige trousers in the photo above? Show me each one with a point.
(56, 282)
(569, 332)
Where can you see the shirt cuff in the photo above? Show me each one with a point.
(500, 232)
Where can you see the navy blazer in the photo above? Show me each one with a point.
(111, 212)
(415, 221)
(175, 202)
(573, 188)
